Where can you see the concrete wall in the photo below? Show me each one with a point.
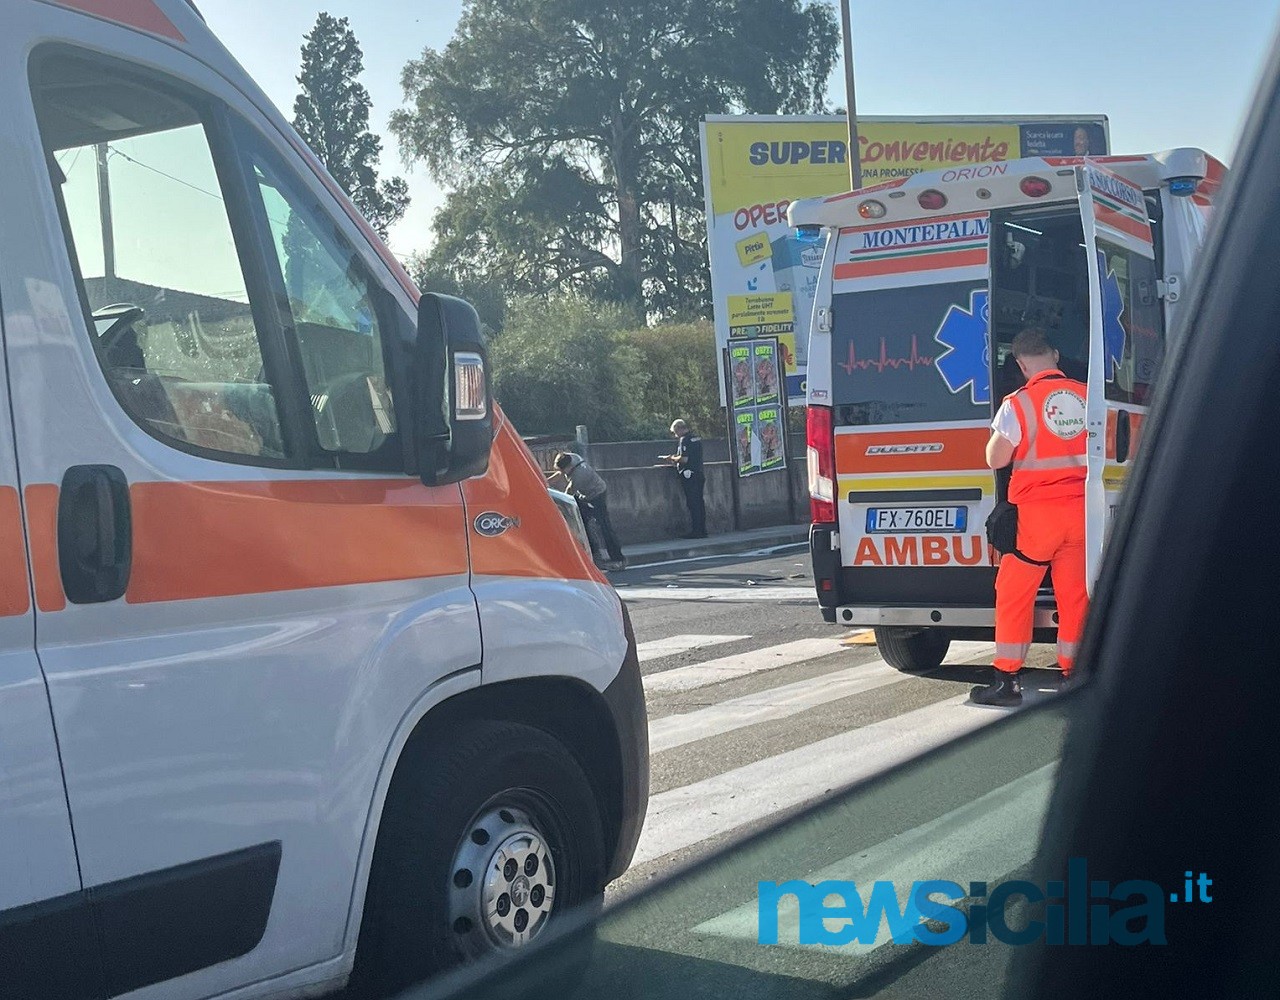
(638, 454)
(647, 504)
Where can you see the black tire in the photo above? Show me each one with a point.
(912, 650)
(443, 787)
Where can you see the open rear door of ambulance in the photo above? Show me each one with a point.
(1125, 336)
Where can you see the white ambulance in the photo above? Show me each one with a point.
(924, 283)
(301, 669)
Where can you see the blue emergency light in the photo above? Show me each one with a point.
(808, 234)
(1183, 187)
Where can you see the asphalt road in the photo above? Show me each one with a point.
(763, 719)
(803, 711)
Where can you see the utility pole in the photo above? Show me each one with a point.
(104, 215)
(675, 231)
(855, 165)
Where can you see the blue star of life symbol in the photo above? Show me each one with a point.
(1113, 335)
(968, 360)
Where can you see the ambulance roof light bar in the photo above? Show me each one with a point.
(987, 186)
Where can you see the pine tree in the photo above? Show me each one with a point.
(332, 115)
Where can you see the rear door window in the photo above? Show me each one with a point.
(909, 322)
(911, 355)
(1133, 323)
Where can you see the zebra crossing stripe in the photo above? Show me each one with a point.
(786, 700)
(767, 706)
(655, 649)
(770, 595)
(738, 665)
(684, 816)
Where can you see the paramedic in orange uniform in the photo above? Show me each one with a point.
(1041, 430)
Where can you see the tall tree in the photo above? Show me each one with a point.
(332, 114)
(567, 131)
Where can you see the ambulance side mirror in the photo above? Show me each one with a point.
(450, 406)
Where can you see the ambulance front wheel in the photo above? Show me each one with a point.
(912, 650)
(490, 833)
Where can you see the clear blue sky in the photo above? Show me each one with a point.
(1167, 72)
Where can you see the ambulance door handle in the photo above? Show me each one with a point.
(1124, 435)
(95, 534)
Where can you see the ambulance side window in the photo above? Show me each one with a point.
(335, 316)
(155, 258)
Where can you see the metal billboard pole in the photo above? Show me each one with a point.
(855, 166)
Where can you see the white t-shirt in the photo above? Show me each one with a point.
(1006, 423)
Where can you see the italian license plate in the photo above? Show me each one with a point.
(917, 520)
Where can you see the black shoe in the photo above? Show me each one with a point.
(1004, 691)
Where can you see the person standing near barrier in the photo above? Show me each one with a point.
(1040, 429)
(687, 462)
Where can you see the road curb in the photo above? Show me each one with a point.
(717, 545)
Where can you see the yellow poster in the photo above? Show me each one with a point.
(755, 167)
(748, 313)
(754, 249)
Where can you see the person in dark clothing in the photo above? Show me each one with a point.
(687, 461)
(589, 489)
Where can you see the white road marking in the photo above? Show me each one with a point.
(657, 648)
(739, 665)
(767, 706)
(789, 699)
(982, 840)
(682, 817)
(754, 553)
(773, 595)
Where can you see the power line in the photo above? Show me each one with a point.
(154, 170)
(74, 160)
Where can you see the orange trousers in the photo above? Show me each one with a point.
(1048, 530)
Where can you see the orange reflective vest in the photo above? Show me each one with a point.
(1050, 461)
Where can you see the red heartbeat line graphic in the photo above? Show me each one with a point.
(1051, 412)
(884, 361)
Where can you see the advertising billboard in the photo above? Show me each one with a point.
(762, 279)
